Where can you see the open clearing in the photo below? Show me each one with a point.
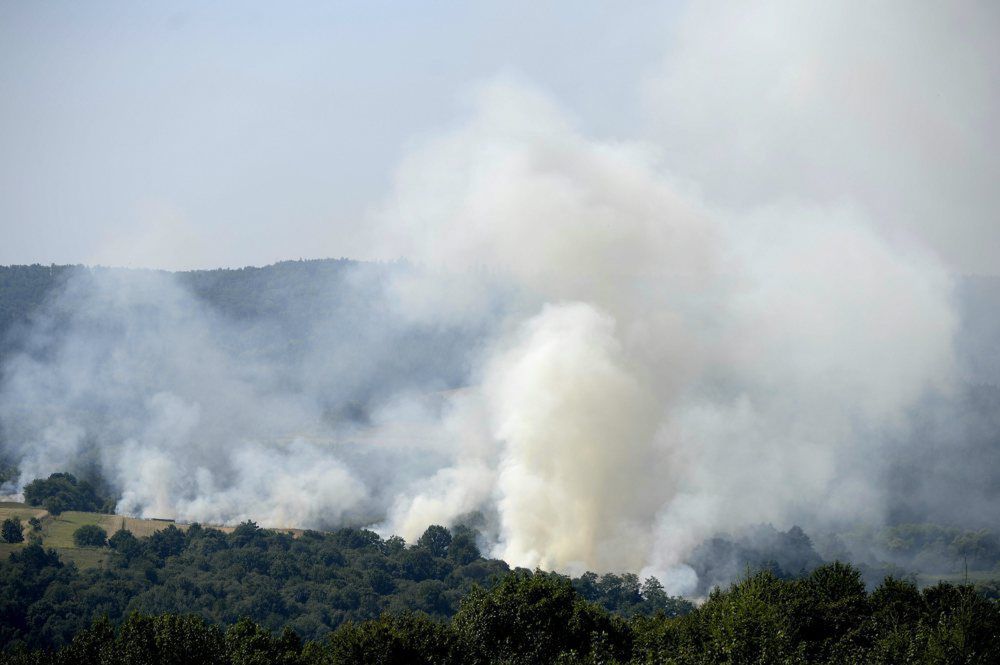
(57, 531)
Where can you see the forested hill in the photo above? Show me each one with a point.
(22, 290)
(277, 314)
(334, 322)
(241, 292)
(309, 288)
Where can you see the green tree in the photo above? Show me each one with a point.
(123, 542)
(169, 542)
(11, 531)
(463, 548)
(825, 612)
(247, 643)
(398, 640)
(745, 624)
(436, 539)
(527, 619)
(91, 645)
(656, 601)
(62, 491)
(90, 535)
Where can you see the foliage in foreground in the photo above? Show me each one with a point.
(311, 584)
(528, 618)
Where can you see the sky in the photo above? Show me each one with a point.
(183, 134)
(191, 134)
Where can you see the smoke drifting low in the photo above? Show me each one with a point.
(641, 363)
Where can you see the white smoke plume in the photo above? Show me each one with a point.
(890, 106)
(719, 323)
(670, 369)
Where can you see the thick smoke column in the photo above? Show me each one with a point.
(578, 429)
(670, 369)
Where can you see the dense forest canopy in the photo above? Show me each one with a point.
(312, 583)
(535, 619)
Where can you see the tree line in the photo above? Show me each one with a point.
(311, 584)
(534, 618)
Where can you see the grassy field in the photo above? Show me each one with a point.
(57, 531)
(20, 511)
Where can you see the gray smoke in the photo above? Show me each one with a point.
(725, 322)
(671, 368)
(195, 414)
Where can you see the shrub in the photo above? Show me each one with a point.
(11, 531)
(126, 544)
(90, 535)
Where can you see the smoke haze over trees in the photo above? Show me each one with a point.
(295, 347)
(760, 298)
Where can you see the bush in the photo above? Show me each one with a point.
(11, 531)
(90, 535)
(62, 491)
(125, 543)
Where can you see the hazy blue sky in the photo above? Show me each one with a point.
(193, 133)
(186, 134)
